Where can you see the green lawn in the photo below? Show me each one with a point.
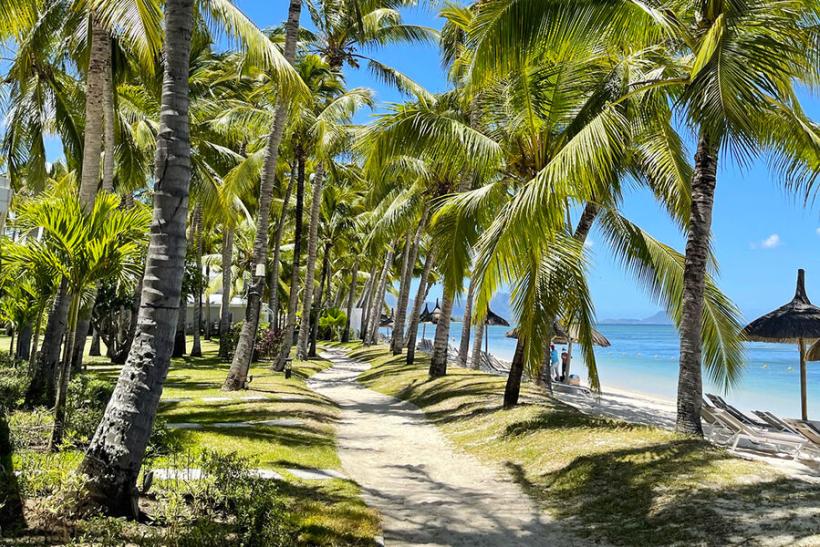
(608, 480)
(327, 512)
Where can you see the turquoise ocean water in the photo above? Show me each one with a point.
(644, 359)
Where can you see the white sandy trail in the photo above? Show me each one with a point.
(427, 492)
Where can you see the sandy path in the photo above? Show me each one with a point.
(427, 492)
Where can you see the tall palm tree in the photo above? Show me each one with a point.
(732, 68)
(114, 456)
(247, 338)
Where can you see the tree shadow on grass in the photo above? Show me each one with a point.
(563, 418)
(661, 495)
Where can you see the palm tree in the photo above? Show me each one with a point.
(732, 68)
(247, 338)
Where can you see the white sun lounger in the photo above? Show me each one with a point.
(757, 437)
(810, 430)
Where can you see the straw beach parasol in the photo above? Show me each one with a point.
(492, 319)
(425, 317)
(793, 323)
(560, 336)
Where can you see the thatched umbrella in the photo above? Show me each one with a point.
(424, 318)
(795, 322)
(435, 314)
(560, 336)
(495, 320)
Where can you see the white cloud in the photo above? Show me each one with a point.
(589, 243)
(771, 242)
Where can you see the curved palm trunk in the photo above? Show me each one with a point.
(690, 383)
(397, 336)
(293, 297)
(377, 301)
(247, 338)
(478, 336)
(318, 307)
(512, 388)
(367, 301)
(466, 325)
(277, 251)
(225, 312)
(64, 376)
(179, 336)
(196, 348)
(421, 295)
(114, 457)
(42, 389)
(310, 265)
(354, 274)
(438, 362)
(99, 59)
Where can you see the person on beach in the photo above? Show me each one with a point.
(553, 362)
(564, 364)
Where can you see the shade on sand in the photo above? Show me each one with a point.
(560, 336)
(793, 323)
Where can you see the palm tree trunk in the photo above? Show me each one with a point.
(277, 251)
(397, 336)
(247, 338)
(37, 328)
(310, 265)
(114, 457)
(94, 350)
(64, 377)
(100, 52)
(367, 301)
(421, 295)
(108, 119)
(478, 335)
(318, 307)
(512, 388)
(42, 389)
(225, 312)
(207, 304)
(179, 336)
(690, 383)
(377, 303)
(354, 274)
(438, 362)
(196, 349)
(466, 323)
(24, 342)
(293, 297)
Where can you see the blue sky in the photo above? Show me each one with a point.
(761, 233)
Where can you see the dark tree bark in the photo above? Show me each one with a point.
(196, 347)
(512, 388)
(94, 350)
(397, 336)
(23, 349)
(42, 389)
(277, 252)
(421, 295)
(179, 336)
(310, 263)
(690, 382)
(293, 297)
(114, 457)
(466, 324)
(247, 339)
(225, 312)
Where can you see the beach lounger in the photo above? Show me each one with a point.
(809, 430)
(775, 422)
(723, 405)
(758, 437)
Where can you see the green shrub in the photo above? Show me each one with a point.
(85, 405)
(331, 323)
(14, 381)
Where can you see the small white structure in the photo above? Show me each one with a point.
(236, 309)
(5, 201)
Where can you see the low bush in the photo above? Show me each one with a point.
(14, 381)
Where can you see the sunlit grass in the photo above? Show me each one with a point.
(327, 512)
(609, 480)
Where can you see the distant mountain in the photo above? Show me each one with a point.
(659, 318)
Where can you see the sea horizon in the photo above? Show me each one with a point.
(643, 359)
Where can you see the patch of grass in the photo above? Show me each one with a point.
(608, 480)
(325, 512)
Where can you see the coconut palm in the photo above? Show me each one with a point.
(112, 461)
(731, 67)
